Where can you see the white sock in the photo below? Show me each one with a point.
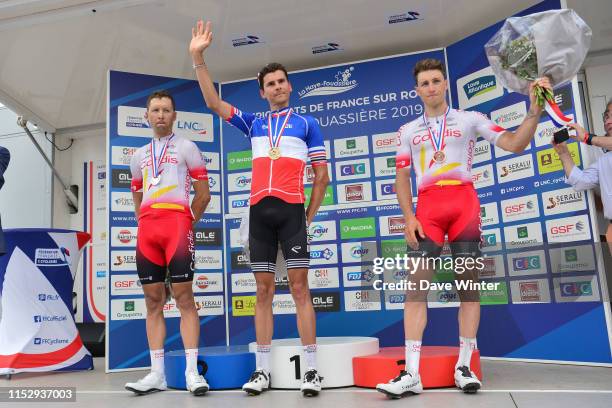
(191, 357)
(310, 352)
(413, 356)
(262, 357)
(466, 346)
(157, 361)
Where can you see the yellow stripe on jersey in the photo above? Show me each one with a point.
(168, 206)
(445, 168)
(448, 182)
(422, 159)
(163, 191)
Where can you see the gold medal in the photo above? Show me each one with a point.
(439, 156)
(274, 153)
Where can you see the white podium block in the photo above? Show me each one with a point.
(334, 360)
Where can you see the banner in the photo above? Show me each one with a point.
(91, 287)
(37, 330)
(128, 130)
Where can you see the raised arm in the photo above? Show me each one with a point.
(201, 38)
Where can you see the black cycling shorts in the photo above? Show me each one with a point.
(271, 221)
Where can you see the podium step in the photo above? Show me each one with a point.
(223, 367)
(437, 366)
(334, 360)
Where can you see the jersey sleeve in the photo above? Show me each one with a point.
(242, 120)
(403, 157)
(136, 171)
(194, 160)
(486, 128)
(314, 142)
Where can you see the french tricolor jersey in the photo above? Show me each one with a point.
(416, 149)
(300, 140)
(181, 163)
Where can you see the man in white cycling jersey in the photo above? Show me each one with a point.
(162, 173)
(439, 146)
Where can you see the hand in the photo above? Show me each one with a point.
(201, 37)
(560, 148)
(412, 226)
(580, 132)
(542, 82)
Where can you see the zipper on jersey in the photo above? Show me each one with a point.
(270, 180)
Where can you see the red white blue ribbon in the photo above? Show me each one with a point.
(555, 113)
(156, 163)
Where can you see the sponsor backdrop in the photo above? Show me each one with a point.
(545, 299)
(552, 295)
(128, 130)
(547, 296)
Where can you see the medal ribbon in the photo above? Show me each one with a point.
(437, 143)
(155, 162)
(275, 139)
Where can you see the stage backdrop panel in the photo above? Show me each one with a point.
(127, 130)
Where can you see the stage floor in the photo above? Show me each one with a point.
(506, 384)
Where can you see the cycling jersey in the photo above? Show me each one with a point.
(280, 173)
(181, 162)
(460, 130)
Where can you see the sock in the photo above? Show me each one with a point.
(466, 346)
(157, 361)
(310, 352)
(413, 356)
(191, 357)
(262, 357)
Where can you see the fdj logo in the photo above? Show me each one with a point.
(522, 232)
(240, 203)
(326, 254)
(366, 276)
(352, 169)
(571, 255)
(358, 251)
(397, 298)
(351, 144)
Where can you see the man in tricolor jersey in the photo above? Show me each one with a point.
(162, 174)
(439, 146)
(282, 142)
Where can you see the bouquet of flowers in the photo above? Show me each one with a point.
(551, 43)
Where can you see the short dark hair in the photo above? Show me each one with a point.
(161, 94)
(271, 67)
(428, 64)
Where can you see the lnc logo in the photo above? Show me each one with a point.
(192, 126)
